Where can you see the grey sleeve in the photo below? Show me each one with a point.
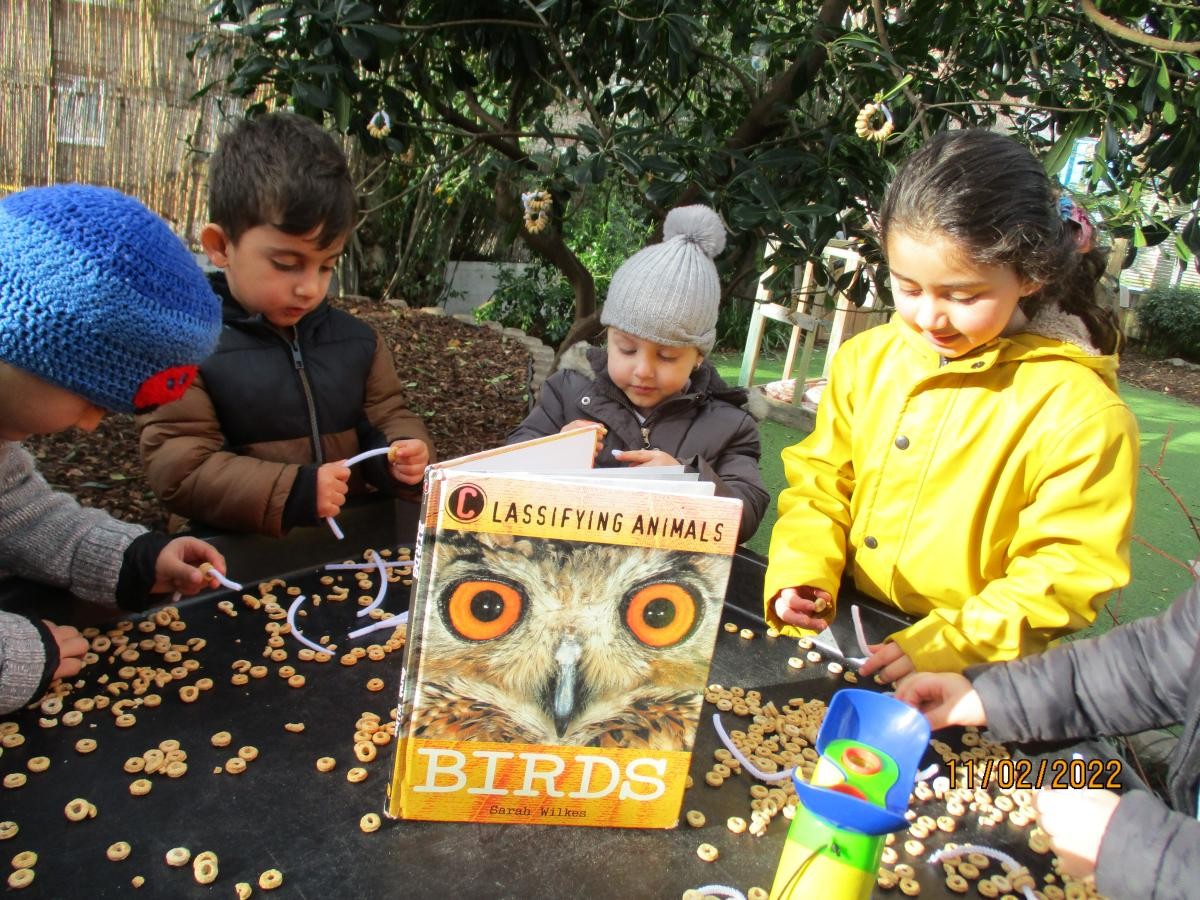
(1148, 851)
(46, 536)
(1132, 678)
(22, 661)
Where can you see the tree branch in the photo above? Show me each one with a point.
(1120, 30)
(764, 116)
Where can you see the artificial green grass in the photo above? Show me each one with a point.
(1163, 537)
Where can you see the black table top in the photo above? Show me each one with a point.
(282, 813)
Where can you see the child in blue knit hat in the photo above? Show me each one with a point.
(295, 386)
(101, 308)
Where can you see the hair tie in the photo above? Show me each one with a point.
(1071, 213)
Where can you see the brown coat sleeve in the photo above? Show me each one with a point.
(385, 406)
(187, 467)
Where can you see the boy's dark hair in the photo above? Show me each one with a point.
(281, 169)
(989, 195)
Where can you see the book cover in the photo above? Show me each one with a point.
(559, 640)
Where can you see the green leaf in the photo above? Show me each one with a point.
(1061, 151)
(1168, 113)
(1164, 76)
(1139, 237)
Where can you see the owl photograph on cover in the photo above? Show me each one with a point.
(546, 641)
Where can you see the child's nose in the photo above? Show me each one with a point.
(929, 314)
(644, 367)
(309, 283)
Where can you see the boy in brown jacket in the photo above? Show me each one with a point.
(295, 386)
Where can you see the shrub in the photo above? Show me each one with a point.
(537, 299)
(1171, 319)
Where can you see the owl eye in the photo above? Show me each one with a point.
(483, 610)
(660, 615)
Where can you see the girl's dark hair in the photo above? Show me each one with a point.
(989, 195)
(281, 169)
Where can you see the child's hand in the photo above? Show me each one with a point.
(803, 606)
(645, 457)
(177, 566)
(889, 661)
(1075, 822)
(946, 698)
(71, 648)
(408, 459)
(586, 423)
(332, 484)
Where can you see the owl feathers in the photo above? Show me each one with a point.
(559, 642)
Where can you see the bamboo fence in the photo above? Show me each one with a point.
(101, 92)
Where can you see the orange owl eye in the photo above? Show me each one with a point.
(483, 610)
(861, 761)
(660, 615)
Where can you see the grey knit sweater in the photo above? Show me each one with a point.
(46, 536)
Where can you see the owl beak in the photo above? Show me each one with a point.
(565, 684)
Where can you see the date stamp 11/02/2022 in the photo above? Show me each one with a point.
(1009, 774)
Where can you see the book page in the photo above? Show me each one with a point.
(569, 450)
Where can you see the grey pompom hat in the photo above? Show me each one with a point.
(668, 293)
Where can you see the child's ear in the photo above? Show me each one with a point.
(216, 244)
(1029, 288)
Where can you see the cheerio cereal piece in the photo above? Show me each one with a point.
(326, 764)
(38, 763)
(357, 774)
(20, 878)
(707, 852)
(736, 824)
(243, 890)
(78, 809)
(15, 780)
(293, 727)
(140, 787)
(249, 753)
(205, 867)
(178, 856)
(369, 822)
(8, 830)
(910, 887)
(695, 818)
(270, 879)
(221, 739)
(26, 859)
(731, 627)
(118, 851)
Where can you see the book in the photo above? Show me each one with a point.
(561, 627)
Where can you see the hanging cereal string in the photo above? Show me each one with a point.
(864, 125)
(366, 454)
(537, 206)
(380, 125)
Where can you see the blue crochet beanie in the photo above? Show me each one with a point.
(98, 296)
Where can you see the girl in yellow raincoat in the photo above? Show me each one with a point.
(972, 463)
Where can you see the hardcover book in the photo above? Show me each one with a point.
(561, 627)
